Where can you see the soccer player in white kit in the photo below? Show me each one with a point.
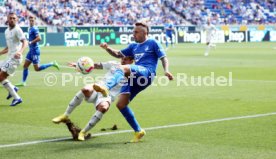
(16, 44)
(100, 102)
(210, 32)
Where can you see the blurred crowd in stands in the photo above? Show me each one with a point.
(223, 12)
(155, 12)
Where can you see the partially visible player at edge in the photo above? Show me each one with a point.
(210, 33)
(146, 53)
(169, 32)
(16, 44)
(33, 55)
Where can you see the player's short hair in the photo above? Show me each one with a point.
(30, 17)
(12, 13)
(143, 24)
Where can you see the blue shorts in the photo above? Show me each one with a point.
(33, 56)
(140, 79)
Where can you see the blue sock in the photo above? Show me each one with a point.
(25, 74)
(166, 43)
(117, 77)
(44, 66)
(129, 115)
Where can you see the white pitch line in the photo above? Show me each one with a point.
(150, 128)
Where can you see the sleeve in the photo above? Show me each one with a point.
(107, 65)
(20, 35)
(128, 51)
(36, 32)
(159, 50)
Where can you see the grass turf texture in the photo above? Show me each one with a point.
(253, 66)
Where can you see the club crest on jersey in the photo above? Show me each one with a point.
(138, 56)
(147, 48)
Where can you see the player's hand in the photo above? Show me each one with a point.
(104, 45)
(169, 75)
(71, 64)
(17, 55)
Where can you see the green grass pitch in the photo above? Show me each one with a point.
(253, 91)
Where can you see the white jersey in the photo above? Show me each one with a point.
(111, 67)
(210, 29)
(13, 40)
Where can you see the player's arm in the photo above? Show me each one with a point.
(98, 65)
(23, 47)
(37, 39)
(165, 64)
(112, 52)
(72, 64)
(20, 35)
(4, 51)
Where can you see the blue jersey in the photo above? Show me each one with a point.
(168, 26)
(145, 54)
(33, 33)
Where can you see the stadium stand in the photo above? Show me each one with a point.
(101, 12)
(126, 12)
(7, 6)
(226, 11)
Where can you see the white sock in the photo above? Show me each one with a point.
(76, 101)
(93, 121)
(10, 88)
(207, 49)
(212, 44)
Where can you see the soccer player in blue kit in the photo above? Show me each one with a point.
(146, 53)
(168, 30)
(33, 55)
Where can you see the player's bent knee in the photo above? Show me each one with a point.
(3, 76)
(123, 101)
(87, 91)
(103, 107)
(121, 105)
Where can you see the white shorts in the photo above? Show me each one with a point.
(96, 98)
(209, 38)
(9, 66)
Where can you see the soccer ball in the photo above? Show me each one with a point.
(85, 65)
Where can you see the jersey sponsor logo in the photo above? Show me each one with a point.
(138, 56)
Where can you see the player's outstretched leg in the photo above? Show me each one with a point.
(97, 116)
(129, 116)
(207, 49)
(12, 92)
(101, 88)
(138, 136)
(167, 43)
(25, 73)
(72, 105)
(45, 66)
(9, 95)
(172, 42)
(110, 83)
